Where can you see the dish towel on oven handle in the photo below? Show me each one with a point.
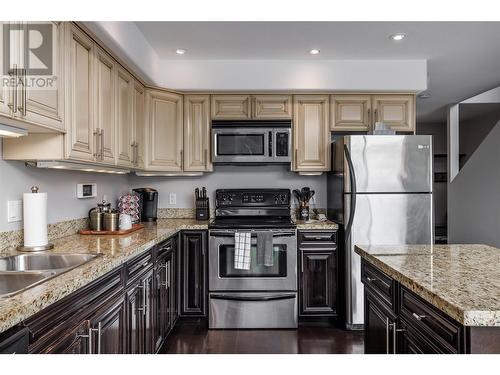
(242, 250)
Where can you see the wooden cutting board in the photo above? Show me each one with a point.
(113, 232)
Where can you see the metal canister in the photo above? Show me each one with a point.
(96, 220)
(111, 220)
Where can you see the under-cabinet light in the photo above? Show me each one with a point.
(9, 131)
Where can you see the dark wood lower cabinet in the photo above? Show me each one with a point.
(140, 314)
(193, 255)
(166, 313)
(132, 309)
(317, 267)
(400, 322)
(108, 328)
(379, 323)
(318, 282)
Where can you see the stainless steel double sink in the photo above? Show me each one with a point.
(23, 271)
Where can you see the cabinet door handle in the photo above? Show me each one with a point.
(98, 337)
(14, 99)
(24, 92)
(206, 158)
(387, 336)
(102, 144)
(371, 279)
(182, 160)
(296, 158)
(375, 116)
(95, 144)
(89, 337)
(419, 317)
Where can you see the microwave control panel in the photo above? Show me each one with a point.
(282, 143)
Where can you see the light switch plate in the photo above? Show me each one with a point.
(172, 198)
(14, 211)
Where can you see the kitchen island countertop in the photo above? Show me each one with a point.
(463, 281)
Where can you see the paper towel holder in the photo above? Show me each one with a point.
(34, 190)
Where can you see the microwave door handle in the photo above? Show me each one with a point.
(215, 145)
(270, 140)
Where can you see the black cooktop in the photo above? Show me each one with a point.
(252, 209)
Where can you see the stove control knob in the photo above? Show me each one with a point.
(223, 198)
(230, 198)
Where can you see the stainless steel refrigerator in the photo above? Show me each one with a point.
(380, 191)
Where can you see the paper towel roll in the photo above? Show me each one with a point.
(35, 219)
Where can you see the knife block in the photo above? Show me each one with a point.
(202, 209)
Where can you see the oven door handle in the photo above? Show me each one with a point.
(232, 297)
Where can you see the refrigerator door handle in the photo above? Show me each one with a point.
(352, 178)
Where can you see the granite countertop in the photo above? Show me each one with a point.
(315, 224)
(113, 250)
(463, 281)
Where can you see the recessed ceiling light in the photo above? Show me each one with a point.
(424, 95)
(180, 51)
(314, 51)
(397, 37)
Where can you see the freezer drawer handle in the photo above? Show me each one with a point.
(252, 298)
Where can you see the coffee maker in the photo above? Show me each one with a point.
(148, 203)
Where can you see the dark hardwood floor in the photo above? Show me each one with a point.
(191, 338)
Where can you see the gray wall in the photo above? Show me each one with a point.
(230, 177)
(16, 179)
(473, 196)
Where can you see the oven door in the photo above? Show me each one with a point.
(281, 276)
(242, 145)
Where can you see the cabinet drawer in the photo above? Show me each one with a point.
(164, 247)
(317, 239)
(14, 341)
(378, 282)
(432, 323)
(138, 265)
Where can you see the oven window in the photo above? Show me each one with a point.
(227, 270)
(240, 144)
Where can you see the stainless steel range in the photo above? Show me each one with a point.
(264, 293)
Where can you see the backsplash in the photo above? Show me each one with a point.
(12, 239)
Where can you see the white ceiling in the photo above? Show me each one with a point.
(463, 57)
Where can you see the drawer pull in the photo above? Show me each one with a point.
(371, 279)
(419, 317)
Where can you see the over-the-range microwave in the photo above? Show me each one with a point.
(251, 142)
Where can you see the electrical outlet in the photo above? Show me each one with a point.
(14, 211)
(172, 198)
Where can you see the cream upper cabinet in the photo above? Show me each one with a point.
(81, 139)
(34, 98)
(46, 106)
(397, 111)
(164, 131)
(138, 126)
(197, 133)
(231, 107)
(5, 92)
(272, 107)
(311, 136)
(104, 107)
(124, 122)
(350, 112)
